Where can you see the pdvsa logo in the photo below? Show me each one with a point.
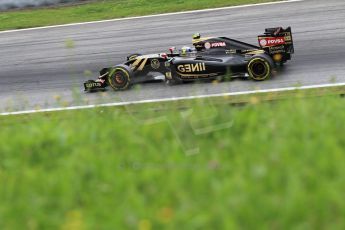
(264, 42)
(218, 44)
(209, 45)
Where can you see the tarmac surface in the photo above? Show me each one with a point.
(45, 68)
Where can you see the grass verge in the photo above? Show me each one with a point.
(107, 9)
(207, 165)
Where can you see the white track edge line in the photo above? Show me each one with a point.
(151, 16)
(172, 99)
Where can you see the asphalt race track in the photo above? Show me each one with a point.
(46, 67)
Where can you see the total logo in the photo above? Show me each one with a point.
(209, 45)
(272, 41)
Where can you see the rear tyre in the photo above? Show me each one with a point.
(119, 77)
(260, 67)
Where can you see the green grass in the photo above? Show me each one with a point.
(277, 165)
(107, 9)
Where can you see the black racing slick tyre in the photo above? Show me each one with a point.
(259, 67)
(119, 77)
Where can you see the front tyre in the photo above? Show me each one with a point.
(119, 77)
(260, 67)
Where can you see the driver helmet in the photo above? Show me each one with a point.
(196, 36)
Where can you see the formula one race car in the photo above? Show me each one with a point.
(211, 58)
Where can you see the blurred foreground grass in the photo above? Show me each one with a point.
(105, 9)
(278, 165)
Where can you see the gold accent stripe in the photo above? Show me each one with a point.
(136, 63)
(142, 64)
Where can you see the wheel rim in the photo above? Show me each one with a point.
(119, 78)
(259, 70)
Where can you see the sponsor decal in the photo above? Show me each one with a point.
(195, 76)
(277, 49)
(207, 45)
(93, 84)
(230, 51)
(263, 42)
(271, 41)
(155, 64)
(218, 44)
(190, 68)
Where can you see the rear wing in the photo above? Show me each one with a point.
(277, 41)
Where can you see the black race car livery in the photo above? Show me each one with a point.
(210, 58)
